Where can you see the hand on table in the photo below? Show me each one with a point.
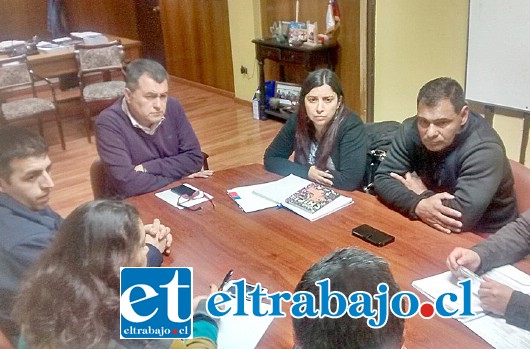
(319, 176)
(197, 299)
(462, 257)
(494, 296)
(433, 212)
(159, 236)
(201, 174)
(139, 168)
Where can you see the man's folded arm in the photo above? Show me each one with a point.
(478, 182)
(392, 192)
(176, 166)
(188, 159)
(120, 169)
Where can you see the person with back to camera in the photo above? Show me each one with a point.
(349, 270)
(328, 140)
(72, 296)
(508, 245)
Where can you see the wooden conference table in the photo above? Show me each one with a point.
(276, 246)
(51, 65)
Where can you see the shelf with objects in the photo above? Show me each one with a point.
(308, 56)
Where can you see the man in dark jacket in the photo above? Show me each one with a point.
(27, 223)
(447, 166)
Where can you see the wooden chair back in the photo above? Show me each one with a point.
(98, 179)
(521, 176)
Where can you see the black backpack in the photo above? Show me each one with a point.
(380, 136)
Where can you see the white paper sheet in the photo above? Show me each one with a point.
(243, 332)
(247, 200)
(173, 198)
(280, 190)
(491, 328)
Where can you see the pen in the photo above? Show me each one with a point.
(226, 279)
(469, 274)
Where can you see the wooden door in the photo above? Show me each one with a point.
(150, 30)
(117, 17)
(197, 41)
(22, 19)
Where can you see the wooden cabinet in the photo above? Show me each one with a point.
(309, 57)
(353, 64)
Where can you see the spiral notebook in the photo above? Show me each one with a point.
(305, 198)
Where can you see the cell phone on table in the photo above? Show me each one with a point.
(374, 236)
(183, 190)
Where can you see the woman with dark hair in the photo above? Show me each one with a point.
(72, 297)
(328, 139)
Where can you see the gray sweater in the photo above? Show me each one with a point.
(507, 246)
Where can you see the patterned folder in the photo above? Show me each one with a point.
(312, 197)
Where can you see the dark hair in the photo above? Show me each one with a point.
(442, 88)
(305, 131)
(139, 67)
(18, 143)
(349, 270)
(71, 299)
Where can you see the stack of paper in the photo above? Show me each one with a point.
(50, 47)
(90, 38)
(260, 196)
(491, 328)
(10, 44)
(248, 201)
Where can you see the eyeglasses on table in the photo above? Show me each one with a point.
(197, 195)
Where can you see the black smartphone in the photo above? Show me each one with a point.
(183, 190)
(374, 236)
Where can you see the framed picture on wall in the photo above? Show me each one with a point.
(287, 93)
